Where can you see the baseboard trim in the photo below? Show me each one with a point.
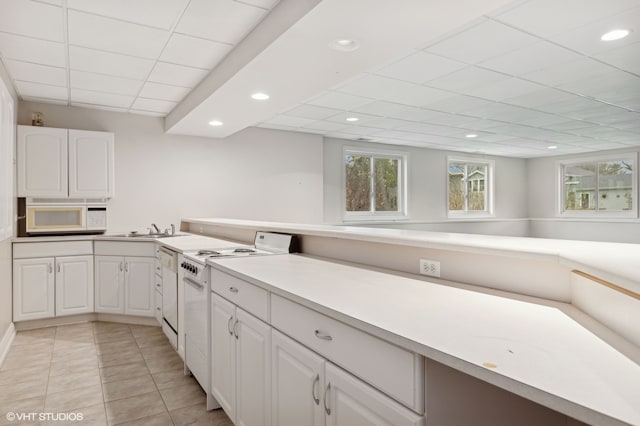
(91, 317)
(6, 341)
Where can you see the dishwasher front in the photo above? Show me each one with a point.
(169, 264)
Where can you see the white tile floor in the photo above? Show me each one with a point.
(109, 373)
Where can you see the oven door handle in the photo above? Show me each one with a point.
(194, 283)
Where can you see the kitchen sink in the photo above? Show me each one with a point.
(142, 235)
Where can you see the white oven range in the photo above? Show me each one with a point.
(197, 299)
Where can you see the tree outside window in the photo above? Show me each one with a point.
(373, 184)
(469, 186)
(598, 185)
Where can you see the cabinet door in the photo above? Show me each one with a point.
(109, 284)
(223, 354)
(253, 371)
(74, 285)
(139, 298)
(348, 401)
(91, 164)
(33, 288)
(42, 162)
(297, 381)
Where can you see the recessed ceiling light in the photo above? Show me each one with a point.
(471, 135)
(260, 96)
(552, 147)
(344, 44)
(614, 35)
(215, 123)
(352, 119)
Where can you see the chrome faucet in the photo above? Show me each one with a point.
(173, 230)
(154, 227)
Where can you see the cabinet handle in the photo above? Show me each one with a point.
(326, 391)
(121, 266)
(229, 326)
(50, 268)
(233, 289)
(58, 267)
(158, 308)
(126, 266)
(320, 335)
(235, 331)
(313, 389)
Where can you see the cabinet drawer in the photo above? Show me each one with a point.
(393, 370)
(249, 297)
(117, 248)
(51, 249)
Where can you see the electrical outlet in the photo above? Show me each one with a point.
(430, 267)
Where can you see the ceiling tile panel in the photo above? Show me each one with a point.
(540, 97)
(32, 50)
(362, 118)
(388, 89)
(467, 79)
(626, 57)
(602, 84)
(163, 92)
(153, 105)
(504, 89)
(432, 129)
(111, 35)
(586, 39)
(176, 75)
(44, 100)
(312, 111)
(563, 73)
(340, 101)
(90, 60)
(36, 73)
(41, 90)
(225, 21)
(154, 13)
(486, 40)
(531, 58)
(104, 83)
(99, 98)
(194, 52)
(381, 108)
(549, 17)
(420, 67)
(32, 19)
(459, 103)
(100, 107)
(388, 123)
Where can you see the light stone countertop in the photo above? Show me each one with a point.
(548, 352)
(615, 262)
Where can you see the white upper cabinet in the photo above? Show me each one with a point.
(42, 162)
(61, 163)
(91, 165)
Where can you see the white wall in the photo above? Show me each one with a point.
(5, 245)
(543, 209)
(255, 174)
(427, 169)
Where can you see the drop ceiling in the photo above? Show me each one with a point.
(522, 76)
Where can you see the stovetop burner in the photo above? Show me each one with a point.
(206, 252)
(244, 250)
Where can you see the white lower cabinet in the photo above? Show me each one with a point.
(241, 363)
(309, 390)
(125, 285)
(52, 286)
(33, 288)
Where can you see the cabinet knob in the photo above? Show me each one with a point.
(233, 289)
(326, 407)
(324, 336)
(313, 389)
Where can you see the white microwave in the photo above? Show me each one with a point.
(66, 218)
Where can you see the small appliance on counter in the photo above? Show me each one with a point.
(56, 217)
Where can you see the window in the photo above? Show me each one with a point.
(374, 184)
(469, 186)
(599, 185)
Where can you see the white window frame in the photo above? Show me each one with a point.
(372, 215)
(489, 187)
(560, 208)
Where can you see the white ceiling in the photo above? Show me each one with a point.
(521, 75)
(140, 56)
